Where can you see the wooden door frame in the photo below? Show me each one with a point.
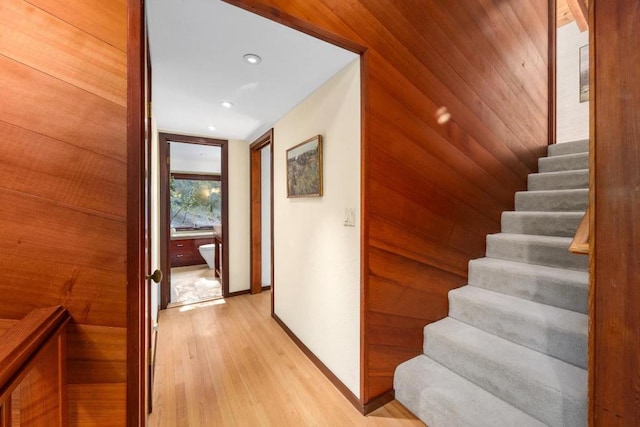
(552, 71)
(165, 208)
(264, 141)
(137, 297)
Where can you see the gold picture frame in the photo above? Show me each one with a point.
(304, 168)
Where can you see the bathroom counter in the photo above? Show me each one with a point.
(185, 235)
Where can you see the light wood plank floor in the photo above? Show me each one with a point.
(227, 363)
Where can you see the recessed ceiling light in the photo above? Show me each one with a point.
(252, 59)
(212, 128)
(226, 104)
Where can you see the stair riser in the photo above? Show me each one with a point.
(558, 180)
(570, 294)
(534, 253)
(561, 224)
(506, 381)
(564, 163)
(446, 399)
(553, 201)
(568, 148)
(556, 339)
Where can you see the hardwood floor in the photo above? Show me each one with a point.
(227, 363)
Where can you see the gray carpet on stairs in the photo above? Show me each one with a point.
(513, 351)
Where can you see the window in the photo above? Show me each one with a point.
(195, 201)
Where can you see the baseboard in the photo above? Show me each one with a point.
(266, 288)
(237, 293)
(352, 398)
(378, 402)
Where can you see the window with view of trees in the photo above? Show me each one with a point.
(195, 201)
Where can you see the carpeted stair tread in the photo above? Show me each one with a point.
(551, 330)
(442, 398)
(553, 200)
(541, 250)
(565, 162)
(562, 224)
(581, 146)
(559, 287)
(563, 180)
(552, 391)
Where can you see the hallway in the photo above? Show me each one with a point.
(227, 363)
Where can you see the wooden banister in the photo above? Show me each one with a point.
(580, 242)
(33, 357)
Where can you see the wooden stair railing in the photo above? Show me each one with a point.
(33, 374)
(580, 242)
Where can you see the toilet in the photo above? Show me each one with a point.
(208, 253)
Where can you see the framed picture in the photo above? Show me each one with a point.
(584, 73)
(304, 168)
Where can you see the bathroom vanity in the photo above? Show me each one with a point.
(184, 248)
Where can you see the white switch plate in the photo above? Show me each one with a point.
(349, 217)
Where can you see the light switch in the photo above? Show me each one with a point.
(349, 217)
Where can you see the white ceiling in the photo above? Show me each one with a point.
(196, 55)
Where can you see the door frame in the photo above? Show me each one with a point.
(137, 296)
(264, 141)
(552, 52)
(165, 208)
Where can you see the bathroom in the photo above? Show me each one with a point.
(195, 221)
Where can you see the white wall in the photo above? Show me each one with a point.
(208, 165)
(155, 218)
(265, 192)
(317, 258)
(239, 198)
(572, 115)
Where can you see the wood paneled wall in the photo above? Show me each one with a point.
(63, 175)
(615, 193)
(432, 192)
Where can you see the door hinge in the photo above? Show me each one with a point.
(149, 109)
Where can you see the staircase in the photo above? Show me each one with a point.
(513, 350)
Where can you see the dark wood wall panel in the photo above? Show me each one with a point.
(615, 200)
(63, 81)
(433, 191)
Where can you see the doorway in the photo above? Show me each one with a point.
(570, 50)
(193, 219)
(261, 171)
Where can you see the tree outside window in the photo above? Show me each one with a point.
(195, 203)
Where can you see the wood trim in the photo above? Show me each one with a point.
(255, 215)
(197, 176)
(5, 414)
(165, 256)
(364, 218)
(591, 348)
(265, 140)
(26, 338)
(580, 13)
(225, 219)
(552, 71)
(164, 155)
(136, 289)
(378, 402)
(306, 27)
(237, 293)
(580, 242)
(352, 398)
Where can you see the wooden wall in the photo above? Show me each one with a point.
(63, 175)
(615, 193)
(431, 192)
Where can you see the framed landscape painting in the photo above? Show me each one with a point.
(304, 168)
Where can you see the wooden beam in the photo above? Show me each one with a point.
(580, 13)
